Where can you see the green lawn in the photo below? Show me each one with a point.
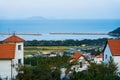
(34, 49)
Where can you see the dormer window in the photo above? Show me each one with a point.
(19, 47)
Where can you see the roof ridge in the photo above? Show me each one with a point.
(13, 38)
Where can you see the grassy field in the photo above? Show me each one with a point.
(34, 49)
(42, 49)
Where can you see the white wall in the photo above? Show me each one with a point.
(117, 61)
(5, 68)
(77, 66)
(98, 60)
(115, 58)
(19, 54)
(108, 53)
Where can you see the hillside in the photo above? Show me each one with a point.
(115, 32)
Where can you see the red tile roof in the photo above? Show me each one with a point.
(13, 38)
(7, 51)
(114, 45)
(99, 56)
(77, 55)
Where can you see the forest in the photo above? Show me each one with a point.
(69, 42)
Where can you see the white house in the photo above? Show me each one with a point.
(80, 61)
(98, 59)
(11, 56)
(112, 51)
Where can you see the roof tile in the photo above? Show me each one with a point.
(13, 38)
(7, 51)
(77, 55)
(114, 45)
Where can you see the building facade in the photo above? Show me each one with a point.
(11, 57)
(112, 51)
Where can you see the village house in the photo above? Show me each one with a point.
(112, 51)
(78, 62)
(98, 59)
(11, 57)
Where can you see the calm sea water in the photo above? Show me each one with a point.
(46, 26)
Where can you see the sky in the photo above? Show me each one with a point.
(60, 9)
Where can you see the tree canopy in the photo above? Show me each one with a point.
(69, 42)
(97, 72)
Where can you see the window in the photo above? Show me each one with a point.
(110, 57)
(105, 56)
(19, 47)
(81, 65)
(19, 61)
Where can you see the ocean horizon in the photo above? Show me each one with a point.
(47, 26)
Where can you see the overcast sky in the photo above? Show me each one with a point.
(60, 9)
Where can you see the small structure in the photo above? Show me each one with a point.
(112, 51)
(11, 57)
(98, 59)
(79, 61)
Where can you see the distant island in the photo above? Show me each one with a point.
(115, 33)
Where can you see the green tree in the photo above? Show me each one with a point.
(25, 73)
(98, 72)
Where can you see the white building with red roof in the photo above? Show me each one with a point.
(80, 61)
(98, 59)
(11, 56)
(112, 51)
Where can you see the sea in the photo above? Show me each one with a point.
(46, 26)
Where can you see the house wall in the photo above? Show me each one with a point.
(107, 54)
(77, 66)
(117, 61)
(5, 69)
(98, 60)
(19, 54)
(115, 58)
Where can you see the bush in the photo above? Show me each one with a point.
(98, 72)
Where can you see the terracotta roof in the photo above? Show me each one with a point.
(114, 45)
(99, 56)
(13, 38)
(7, 51)
(76, 55)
